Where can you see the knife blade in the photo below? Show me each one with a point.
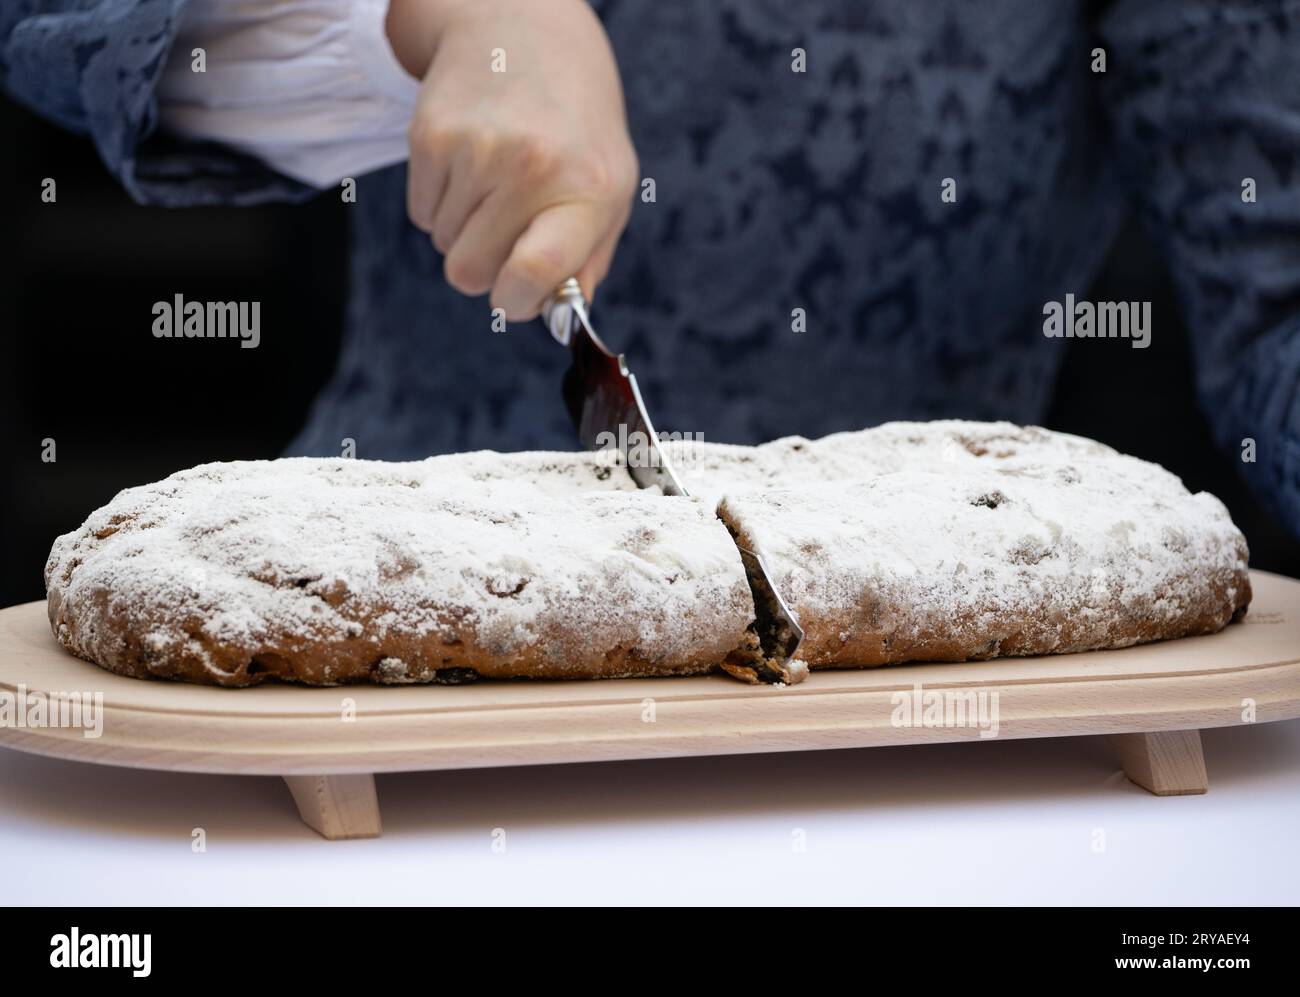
(605, 404)
(602, 396)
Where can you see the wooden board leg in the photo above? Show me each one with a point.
(337, 806)
(1167, 763)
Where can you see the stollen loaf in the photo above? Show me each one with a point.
(910, 541)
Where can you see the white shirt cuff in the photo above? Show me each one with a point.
(311, 87)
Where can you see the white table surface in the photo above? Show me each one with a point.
(1033, 821)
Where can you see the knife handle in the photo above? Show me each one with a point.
(559, 310)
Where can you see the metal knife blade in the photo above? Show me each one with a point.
(602, 396)
(606, 407)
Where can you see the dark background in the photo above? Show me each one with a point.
(82, 367)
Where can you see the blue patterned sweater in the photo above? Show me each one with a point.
(820, 191)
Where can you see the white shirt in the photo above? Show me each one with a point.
(311, 87)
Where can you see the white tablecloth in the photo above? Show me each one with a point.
(1043, 821)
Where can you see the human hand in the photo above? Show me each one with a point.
(521, 168)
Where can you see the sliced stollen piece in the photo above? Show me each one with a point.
(1037, 558)
(333, 571)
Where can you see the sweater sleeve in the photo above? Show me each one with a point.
(94, 68)
(1204, 96)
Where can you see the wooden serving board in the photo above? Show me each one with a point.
(328, 743)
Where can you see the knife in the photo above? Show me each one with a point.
(608, 412)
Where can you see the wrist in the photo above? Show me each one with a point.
(414, 28)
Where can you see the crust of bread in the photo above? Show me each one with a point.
(102, 633)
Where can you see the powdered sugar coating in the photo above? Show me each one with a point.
(710, 470)
(546, 472)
